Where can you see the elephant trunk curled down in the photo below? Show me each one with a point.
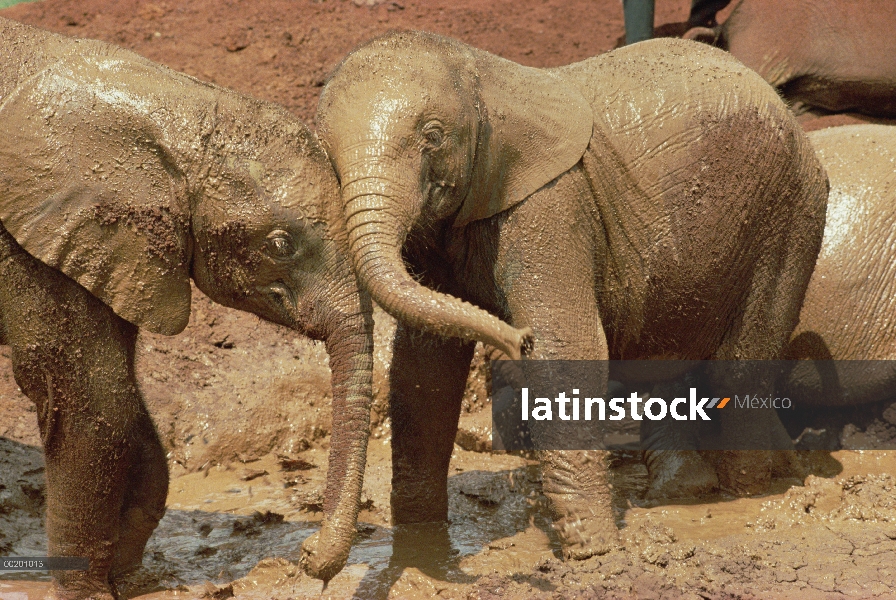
(376, 247)
(658, 201)
(120, 180)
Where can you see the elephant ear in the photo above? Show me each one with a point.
(534, 126)
(88, 189)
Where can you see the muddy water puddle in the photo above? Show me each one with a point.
(237, 530)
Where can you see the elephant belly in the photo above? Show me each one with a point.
(683, 317)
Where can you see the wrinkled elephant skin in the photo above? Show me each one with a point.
(658, 201)
(119, 181)
(828, 54)
(848, 310)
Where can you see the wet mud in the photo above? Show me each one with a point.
(236, 529)
(242, 406)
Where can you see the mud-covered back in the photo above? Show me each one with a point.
(850, 308)
(26, 50)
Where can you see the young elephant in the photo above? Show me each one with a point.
(658, 201)
(119, 181)
(828, 54)
(848, 314)
(846, 320)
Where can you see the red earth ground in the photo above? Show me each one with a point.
(242, 405)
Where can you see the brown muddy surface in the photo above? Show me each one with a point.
(243, 406)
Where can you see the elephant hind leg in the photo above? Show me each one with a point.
(772, 310)
(144, 501)
(675, 468)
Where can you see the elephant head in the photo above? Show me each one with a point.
(425, 130)
(132, 179)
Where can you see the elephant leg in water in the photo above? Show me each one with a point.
(106, 469)
(429, 373)
(540, 296)
(673, 466)
(427, 381)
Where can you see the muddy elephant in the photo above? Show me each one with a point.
(120, 181)
(658, 201)
(845, 341)
(825, 54)
(851, 300)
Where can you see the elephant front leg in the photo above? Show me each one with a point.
(549, 281)
(427, 381)
(88, 449)
(105, 470)
(144, 502)
(577, 485)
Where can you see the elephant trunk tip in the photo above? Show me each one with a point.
(518, 344)
(527, 342)
(707, 35)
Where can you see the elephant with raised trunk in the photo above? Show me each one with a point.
(658, 201)
(120, 180)
(833, 55)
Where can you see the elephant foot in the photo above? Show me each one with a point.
(584, 537)
(787, 463)
(581, 504)
(679, 474)
(81, 589)
(749, 472)
(742, 472)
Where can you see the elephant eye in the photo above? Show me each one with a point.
(280, 245)
(434, 134)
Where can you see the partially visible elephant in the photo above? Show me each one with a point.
(849, 313)
(658, 201)
(846, 336)
(120, 180)
(833, 55)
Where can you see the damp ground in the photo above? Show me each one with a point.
(242, 406)
(235, 530)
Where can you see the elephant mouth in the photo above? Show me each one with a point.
(439, 196)
(282, 296)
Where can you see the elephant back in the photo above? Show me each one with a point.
(26, 51)
(849, 308)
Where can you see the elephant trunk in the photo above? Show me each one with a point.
(350, 348)
(376, 235)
